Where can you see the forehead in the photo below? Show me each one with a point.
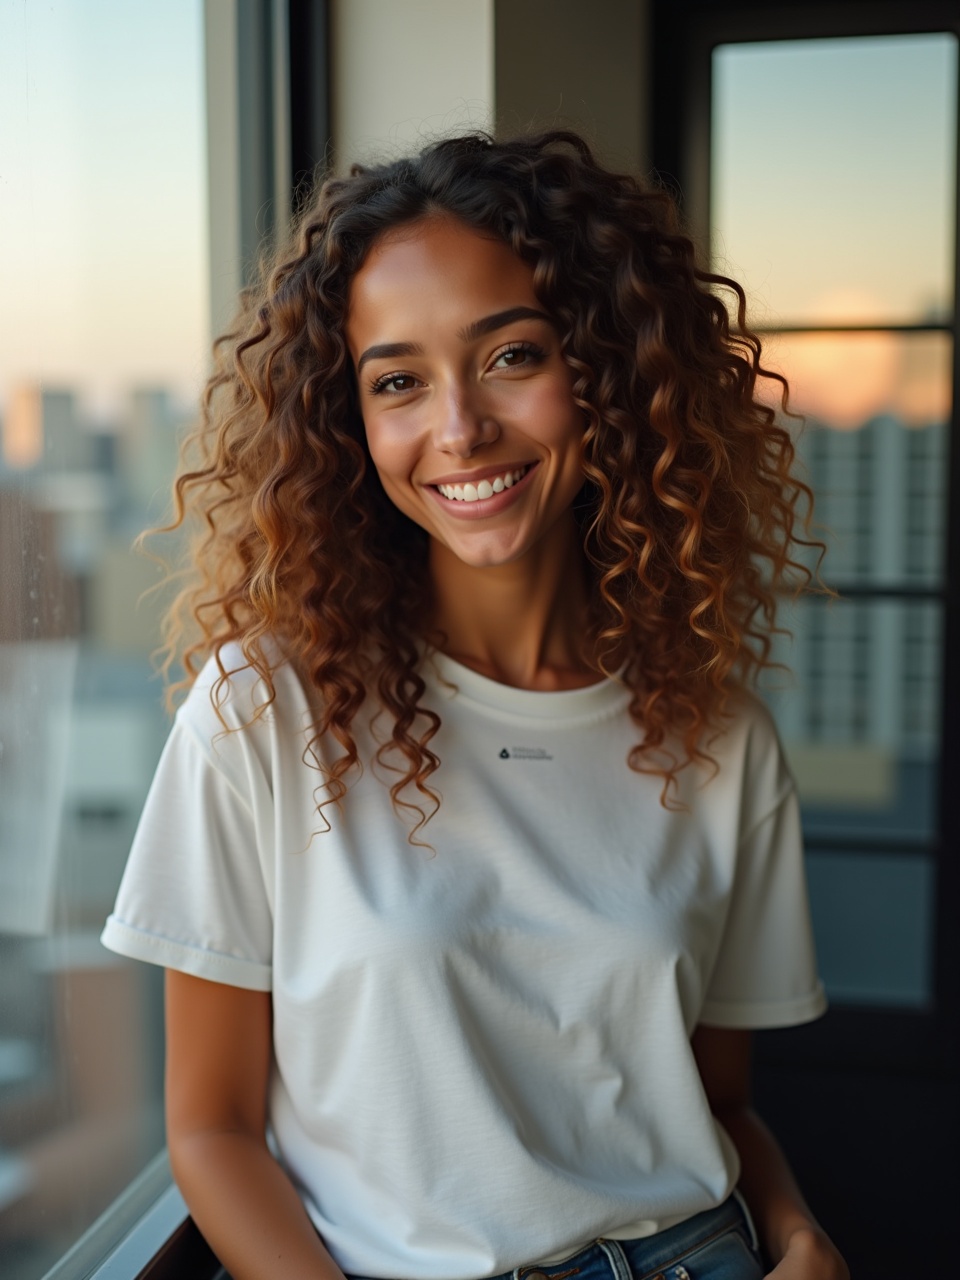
(436, 271)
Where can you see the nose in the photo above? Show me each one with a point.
(462, 425)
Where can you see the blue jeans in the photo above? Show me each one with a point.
(719, 1244)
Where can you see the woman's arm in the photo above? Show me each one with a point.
(791, 1236)
(218, 1061)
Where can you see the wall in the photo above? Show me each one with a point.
(579, 64)
(402, 72)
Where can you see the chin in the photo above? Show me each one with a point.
(483, 557)
(483, 561)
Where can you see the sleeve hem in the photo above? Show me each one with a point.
(138, 944)
(763, 1014)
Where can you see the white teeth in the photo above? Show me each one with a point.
(484, 489)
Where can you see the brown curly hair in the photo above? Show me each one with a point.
(689, 512)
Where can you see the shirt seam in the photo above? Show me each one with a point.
(216, 760)
(769, 813)
(152, 940)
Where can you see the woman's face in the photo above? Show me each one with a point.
(466, 400)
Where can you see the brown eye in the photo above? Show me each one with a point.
(518, 355)
(394, 384)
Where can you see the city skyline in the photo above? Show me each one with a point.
(103, 221)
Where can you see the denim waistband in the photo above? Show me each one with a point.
(656, 1257)
(606, 1259)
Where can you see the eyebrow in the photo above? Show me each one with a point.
(477, 329)
(489, 324)
(389, 351)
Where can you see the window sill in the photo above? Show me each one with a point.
(147, 1234)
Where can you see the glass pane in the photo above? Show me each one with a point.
(860, 714)
(874, 448)
(833, 176)
(873, 922)
(102, 345)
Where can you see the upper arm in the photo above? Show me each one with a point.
(723, 1060)
(218, 1057)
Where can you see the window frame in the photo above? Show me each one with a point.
(157, 1237)
(686, 33)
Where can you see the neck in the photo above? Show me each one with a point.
(522, 623)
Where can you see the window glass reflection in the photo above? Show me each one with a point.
(873, 920)
(833, 177)
(102, 347)
(860, 714)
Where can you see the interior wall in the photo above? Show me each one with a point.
(402, 73)
(576, 63)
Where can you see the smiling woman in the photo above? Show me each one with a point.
(482, 405)
(485, 488)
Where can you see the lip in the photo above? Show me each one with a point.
(483, 507)
(482, 473)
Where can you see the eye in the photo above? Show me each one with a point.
(518, 354)
(394, 384)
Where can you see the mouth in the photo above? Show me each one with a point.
(486, 497)
(483, 489)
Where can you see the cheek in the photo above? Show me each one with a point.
(559, 423)
(393, 454)
(389, 450)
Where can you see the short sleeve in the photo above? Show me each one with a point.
(195, 895)
(765, 973)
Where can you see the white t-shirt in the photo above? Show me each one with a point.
(482, 1052)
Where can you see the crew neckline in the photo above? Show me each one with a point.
(607, 695)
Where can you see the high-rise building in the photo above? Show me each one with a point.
(41, 429)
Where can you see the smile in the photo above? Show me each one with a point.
(484, 489)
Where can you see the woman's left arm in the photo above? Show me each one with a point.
(791, 1236)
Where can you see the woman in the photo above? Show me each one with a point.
(470, 859)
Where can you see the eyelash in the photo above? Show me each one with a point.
(379, 385)
(530, 349)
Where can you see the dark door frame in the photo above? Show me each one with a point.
(878, 1083)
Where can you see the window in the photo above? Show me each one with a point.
(871, 722)
(104, 339)
(123, 247)
(833, 172)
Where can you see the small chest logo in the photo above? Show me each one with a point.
(525, 753)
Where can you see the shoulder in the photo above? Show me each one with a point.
(751, 723)
(230, 694)
(750, 760)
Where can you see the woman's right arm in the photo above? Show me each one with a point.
(218, 1062)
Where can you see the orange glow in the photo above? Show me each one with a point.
(23, 428)
(845, 379)
(842, 381)
(923, 393)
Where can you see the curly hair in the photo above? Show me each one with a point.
(689, 513)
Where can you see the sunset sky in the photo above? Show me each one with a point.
(833, 181)
(833, 187)
(834, 176)
(102, 196)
